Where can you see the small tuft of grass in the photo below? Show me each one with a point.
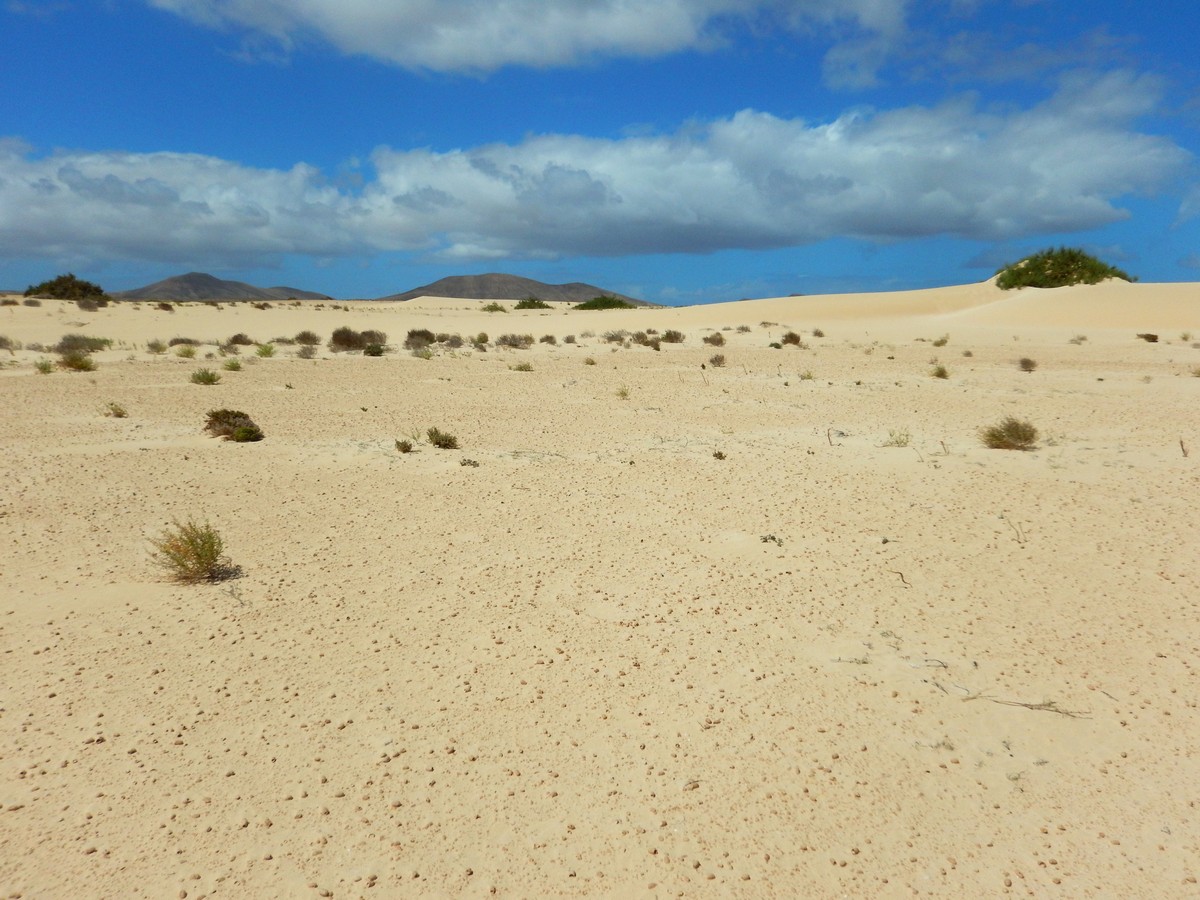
(623, 392)
(205, 376)
(115, 410)
(1078, 339)
(185, 351)
(232, 365)
(265, 351)
(1010, 434)
(671, 336)
(374, 350)
(548, 339)
(717, 454)
(717, 360)
(468, 462)
(156, 347)
(940, 372)
(441, 439)
(716, 339)
(404, 446)
(44, 366)
(942, 341)
(522, 367)
(533, 303)
(897, 437)
(1025, 364)
(791, 339)
(589, 361)
(193, 553)
(495, 308)
(307, 338)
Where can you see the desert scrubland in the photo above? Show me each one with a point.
(782, 627)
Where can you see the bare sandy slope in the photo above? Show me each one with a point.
(604, 662)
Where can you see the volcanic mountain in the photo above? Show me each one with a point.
(498, 286)
(200, 286)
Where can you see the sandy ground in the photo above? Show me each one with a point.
(604, 662)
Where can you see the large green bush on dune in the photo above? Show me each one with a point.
(1057, 268)
(67, 287)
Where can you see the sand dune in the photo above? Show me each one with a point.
(860, 655)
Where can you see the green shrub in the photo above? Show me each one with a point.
(940, 372)
(32, 301)
(1057, 268)
(192, 553)
(308, 351)
(373, 350)
(307, 338)
(156, 347)
(522, 367)
(533, 303)
(205, 376)
(404, 446)
(942, 341)
(442, 440)
(76, 361)
(605, 302)
(265, 351)
(481, 338)
(232, 425)
(1010, 434)
(44, 366)
(232, 365)
(82, 343)
(7, 343)
(495, 308)
(185, 351)
(67, 287)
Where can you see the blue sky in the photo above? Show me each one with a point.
(681, 151)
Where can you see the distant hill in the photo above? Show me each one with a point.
(199, 286)
(497, 286)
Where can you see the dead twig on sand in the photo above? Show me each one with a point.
(902, 578)
(1044, 706)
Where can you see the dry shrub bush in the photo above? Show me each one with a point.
(193, 553)
(232, 425)
(1010, 434)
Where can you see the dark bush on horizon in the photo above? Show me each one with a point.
(344, 339)
(605, 302)
(68, 287)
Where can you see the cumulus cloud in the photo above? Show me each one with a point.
(482, 35)
(750, 181)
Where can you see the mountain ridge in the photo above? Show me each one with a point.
(202, 286)
(501, 286)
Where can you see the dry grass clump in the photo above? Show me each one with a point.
(307, 338)
(515, 341)
(522, 367)
(344, 339)
(940, 371)
(115, 410)
(82, 343)
(793, 340)
(419, 338)
(671, 336)
(495, 308)
(716, 339)
(548, 339)
(717, 360)
(232, 425)
(1010, 434)
(1025, 364)
(205, 376)
(441, 439)
(240, 340)
(193, 553)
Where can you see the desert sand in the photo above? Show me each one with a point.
(861, 655)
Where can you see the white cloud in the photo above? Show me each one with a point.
(749, 181)
(482, 35)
